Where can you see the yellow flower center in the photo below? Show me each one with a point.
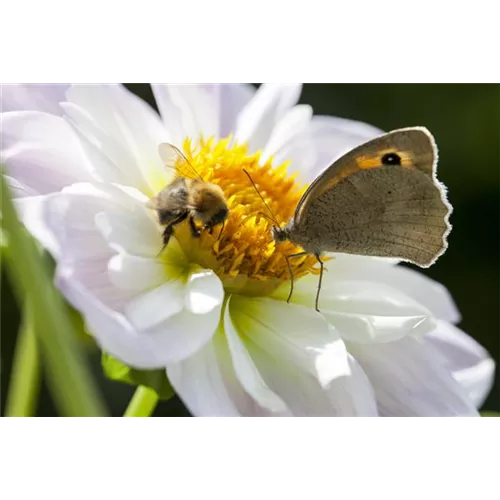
(243, 253)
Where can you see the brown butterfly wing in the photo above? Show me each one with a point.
(362, 206)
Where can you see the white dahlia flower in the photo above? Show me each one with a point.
(83, 161)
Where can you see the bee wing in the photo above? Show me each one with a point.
(172, 157)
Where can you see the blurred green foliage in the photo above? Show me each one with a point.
(465, 120)
(47, 327)
(154, 379)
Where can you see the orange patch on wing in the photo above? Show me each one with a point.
(375, 161)
(365, 162)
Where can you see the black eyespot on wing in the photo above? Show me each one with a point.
(391, 159)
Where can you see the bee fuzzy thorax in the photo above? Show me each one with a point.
(207, 202)
(232, 237)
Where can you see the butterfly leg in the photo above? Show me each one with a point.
(169, 231)
(320, 279)
(288, 257)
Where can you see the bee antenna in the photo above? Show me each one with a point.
(273, 218)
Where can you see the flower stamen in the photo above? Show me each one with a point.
(244, 255)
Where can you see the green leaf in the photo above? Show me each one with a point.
(70, 378)
(154, 379)
(24, 388)
(4, 245)
(76, 318)
(490, 414)
(80, 329)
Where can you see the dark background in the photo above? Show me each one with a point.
(465, 120)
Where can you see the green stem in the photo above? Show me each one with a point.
(69, 375)
(143, 403)
(25, 375)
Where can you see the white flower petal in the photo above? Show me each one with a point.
(256, 122)
(93, 274)
(246, 371)
(287, 129)
(108, 214)
(431, 294)
(41, 151)
(65, 223)
(31, 210)
(364, 131)
(110, 163)
(469, 362)
(324, 140)
(298, 333)
(183, 334)
(349, 263)
(410, 379)
(198, 382)
(204, 292)
(123, 129)
(207, 384)
(301, 358)
(151, 308)
(232, 100)
(355, 392)
(135, 232)
(33, 97)
(87, 286)
(110, 329)
(347, 395)
(363, 311)
(134, 273)
(175, 338)
(18, 189)
(201, 110)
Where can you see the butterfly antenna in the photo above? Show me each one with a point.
(273, 218)
(251, 217)
(267, 217)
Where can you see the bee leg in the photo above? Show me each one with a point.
(209, 227)
(221, 229)
(288, 257)
(320, 279)
(169, 231)
(194, 230)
